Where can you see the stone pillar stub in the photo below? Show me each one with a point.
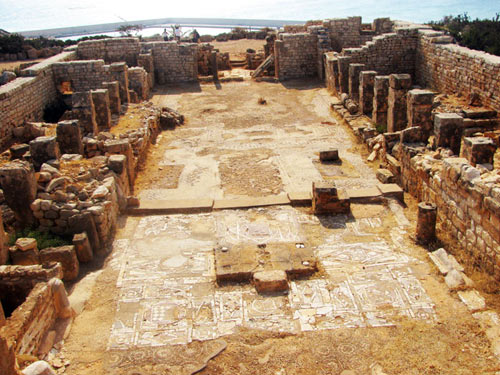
(102, 108)
(69, 137)
(344, 62)
(448, 128)
(419, 109)
(354, 73)
(114, 96)
(18, 182)
(380, 100)
(426, 223)
(399, 84)
(366, 88)
(479, 150)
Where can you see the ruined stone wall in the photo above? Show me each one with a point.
(296, 56)
(173, 62)
(468, 206)
(387, 53)
(451, 68)
(25, 98)
(110, 50)
(344, 32)
(83, 75)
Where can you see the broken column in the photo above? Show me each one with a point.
(114, 96)
(479, 150)
(399, 84)
(344, 62)
(448, 128)
(43, 149)
(213, 65)
(84, 111)
(419, 109)
(354, 71)
(100, 98)
(69, 137)
(380, 100)
(366, 86)
(119, 73)
(19, 186)
(426, 223)
(327, 199)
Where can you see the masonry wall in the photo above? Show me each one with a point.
(296, 56)
(173, 62)
(388, 53)
(110, 50)
(25, 98)
(450, 68)
(468, 210)
(83, 75)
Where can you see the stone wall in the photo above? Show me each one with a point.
(468, 204)
(25, 98)
(84, 75)
(296, 55)
(451, 68)
(110, 50)
(173, 62)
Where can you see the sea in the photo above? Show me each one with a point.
(24, 15)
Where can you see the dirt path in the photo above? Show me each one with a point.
(156, 309)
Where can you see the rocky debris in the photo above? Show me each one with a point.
(66, 255)
(25, 252)
(169, 118)
(39, 368)
(472, 299)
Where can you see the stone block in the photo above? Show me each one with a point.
(18, 151)
(391, 190)
(114, 96)
(25, 244)
(419, 109)
(366, 90)
(397, 107)
(19, 186)
(270, 281)
(364, 195)
(66, 255)
(81, 99)
(84, 222)
(326, 199)
(69, 137)
(400, 81)
(448, 128)
(82, 246)
(479, 150)
(343, 62)
(380, 100)
(385, 176)
(43, 149)
(472, 299)
(24, 258)
(330, 155)
(415, 134)
(101, 101)
(117, 163)
(354, 72)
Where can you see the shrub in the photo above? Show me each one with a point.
(43, 239)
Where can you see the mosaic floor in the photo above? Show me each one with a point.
(167, 284)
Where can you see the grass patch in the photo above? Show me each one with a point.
(43, 239)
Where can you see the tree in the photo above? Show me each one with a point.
(129, 30)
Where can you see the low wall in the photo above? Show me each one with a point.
(451, 68)
(83, 75)
(173, 62)
(296, 56)
(25, 98)
(468, 206)
(110, 50)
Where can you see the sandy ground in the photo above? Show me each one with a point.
(12, 65)
(238, 48)
(229, 146)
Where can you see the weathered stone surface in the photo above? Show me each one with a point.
(24, 258)
(385, 176)
(61, 301)
(326, 199)
(69, 137)
(4, 249)
(479, 150)
(43, 149)
(343, 62)
(84, 222)
(101, 101)
(18, 151)
(114, 96)
(419, 107)
(66, 255)
(397, 111)
(448, 128)
(426, 223)
(366, 91)
(270, 281)
(380, 100)
(330, 155)
(19, 187)
(25, 244)
(354, 72)
(82, 246)
(39, 368)
(472, 299)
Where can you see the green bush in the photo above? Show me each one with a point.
(43, 239)
(483, 35)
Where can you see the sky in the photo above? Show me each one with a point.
(21, 15)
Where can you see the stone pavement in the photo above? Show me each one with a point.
(168, 293)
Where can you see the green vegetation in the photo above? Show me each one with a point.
(14, 43)
(483, 35)
(43, 239)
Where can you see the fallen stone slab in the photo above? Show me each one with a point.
(249, 202)
(166, 207)
(270, 281)
(392, 191)
(303, 198)
(456, 279)
(364, 195)
(385, 176)
(472, 299)
(445, 262)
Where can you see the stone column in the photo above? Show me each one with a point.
(83, 109)
(43, 149)
(213, 65)
(332, 73)
(479, 150)
(114, 96)
(354, 72)
(426, 223)
(69, 137)
(366, 87)
(380, 100)
(419, 109)
(344, 62)
(448, 128)
(119, 72)
(399, 84)
(18, 182)
(100, 98)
